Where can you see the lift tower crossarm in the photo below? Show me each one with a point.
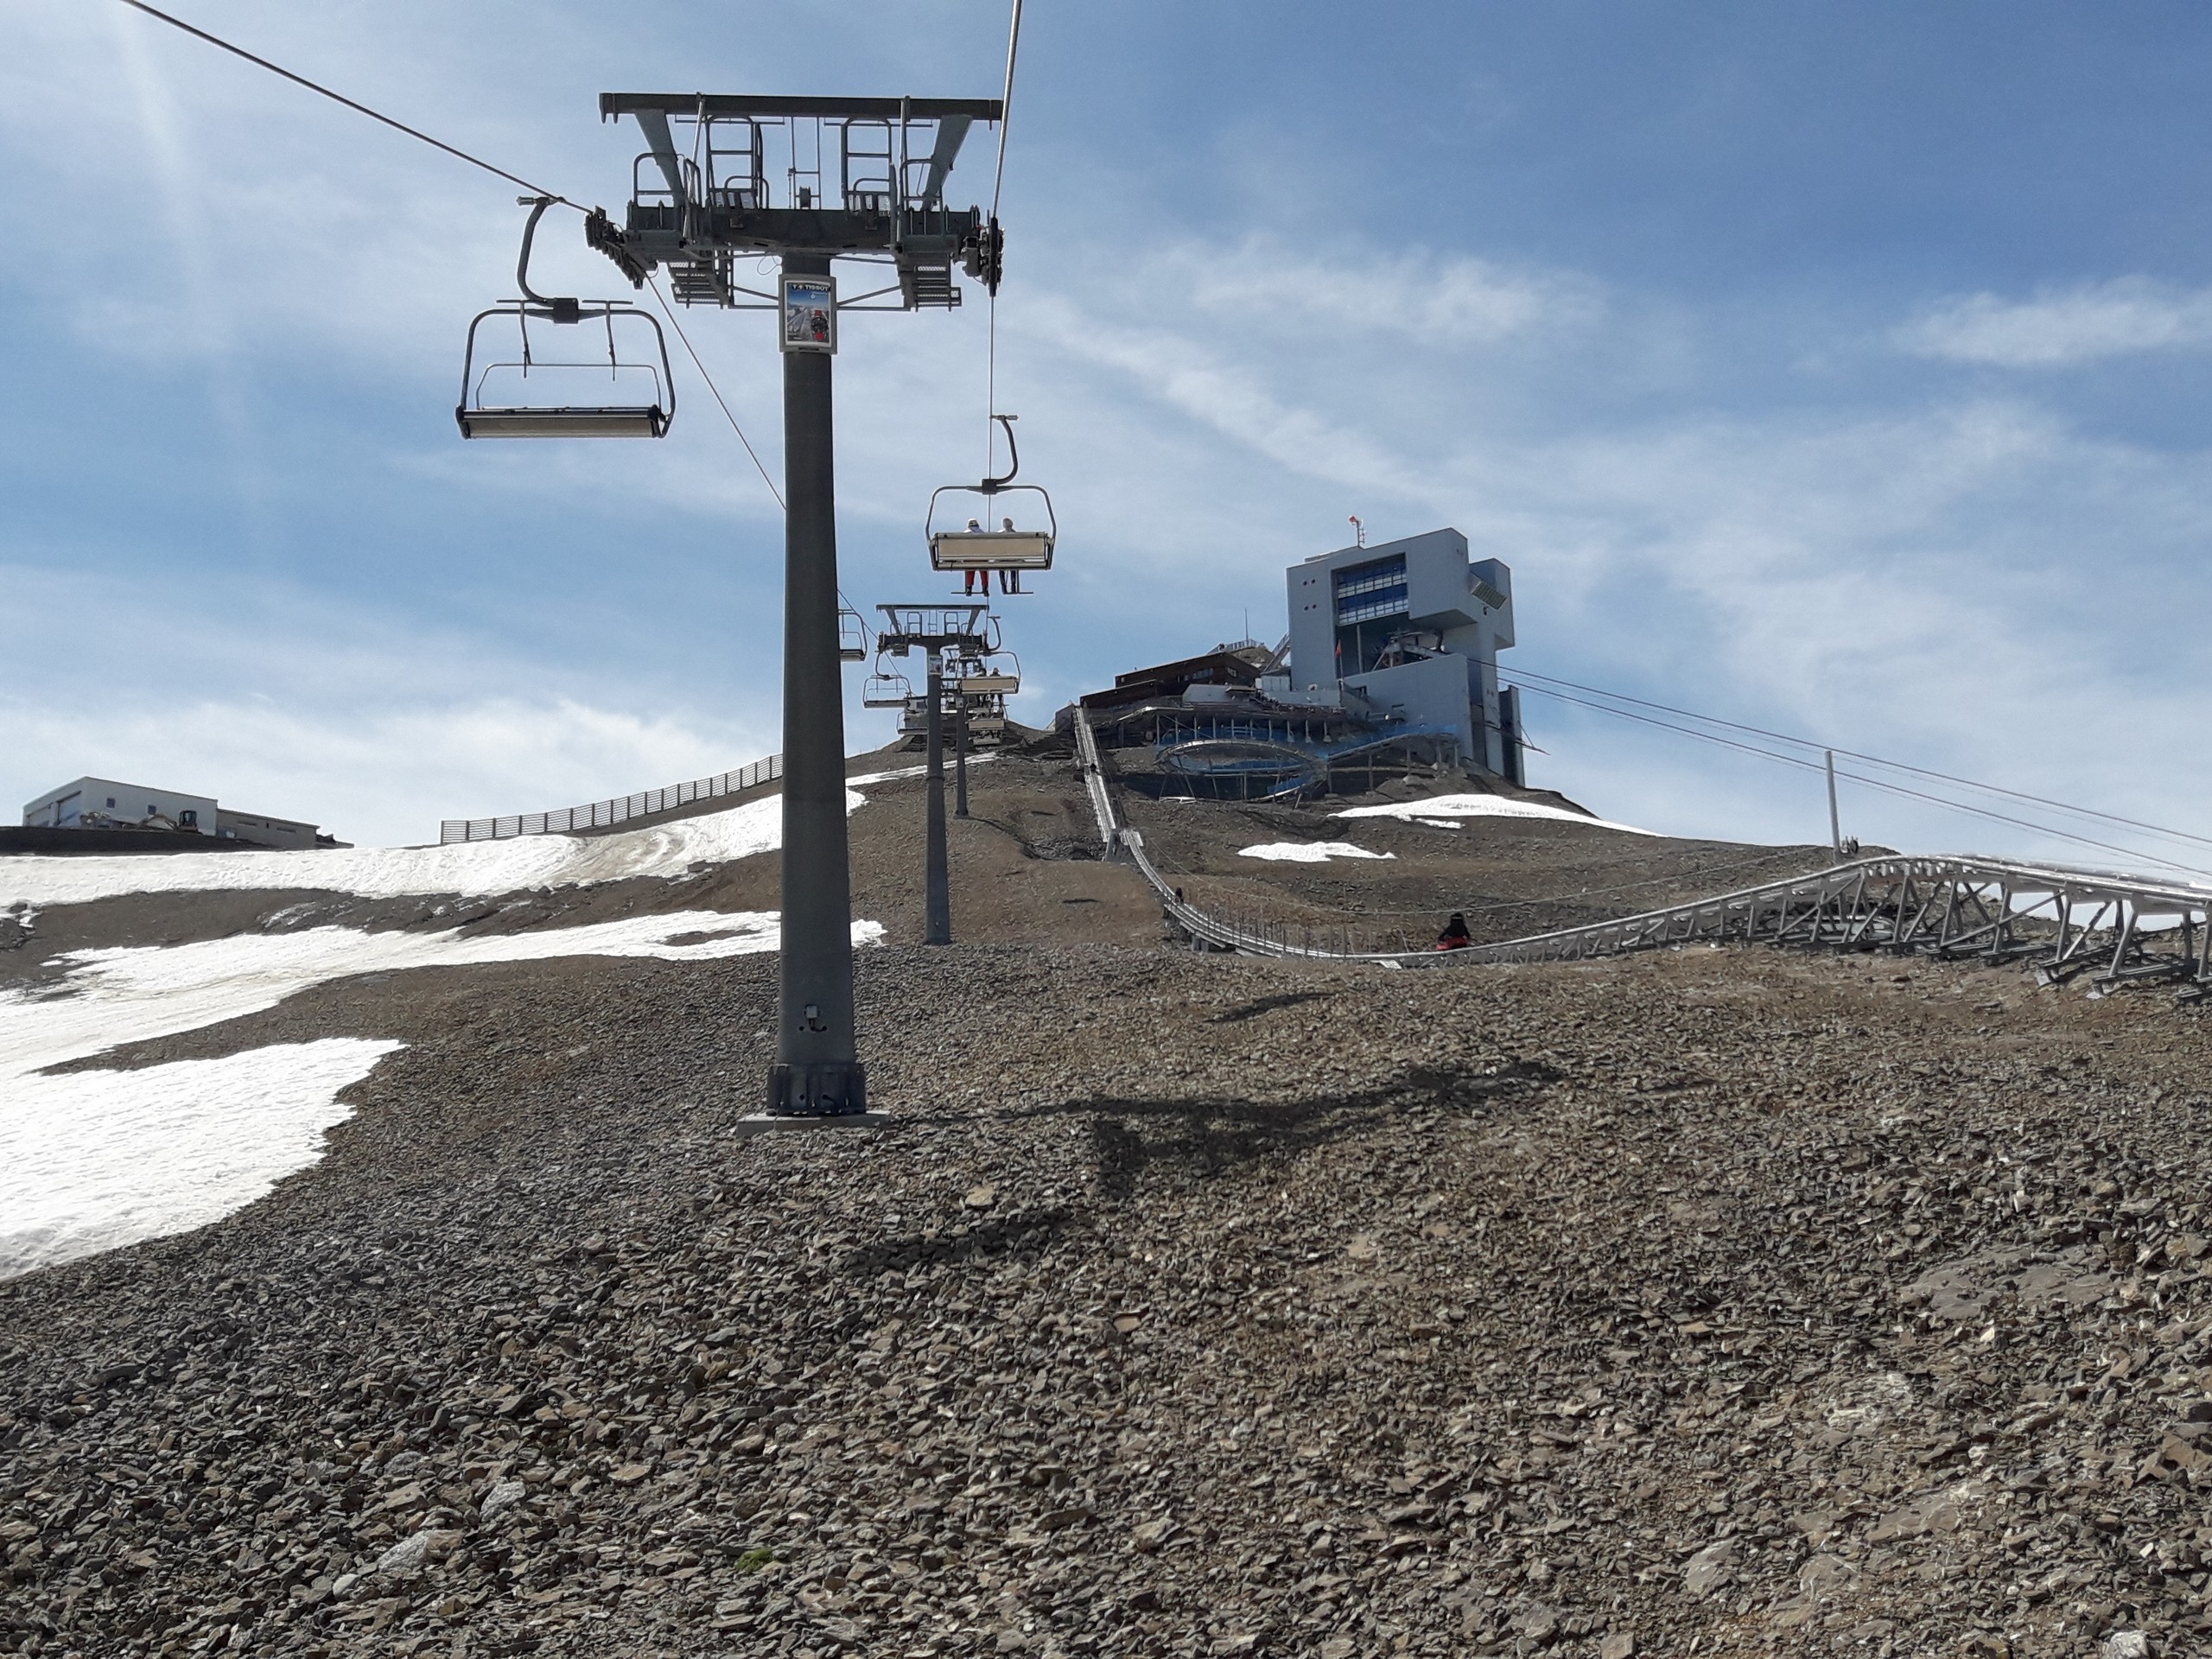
(611, 105)
(662, 143)
(883, 195)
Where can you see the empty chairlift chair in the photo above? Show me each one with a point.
(573, 396)
(885, 691)
(1001, 532)
(852, 636)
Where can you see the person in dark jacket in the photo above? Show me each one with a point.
(1455, 935)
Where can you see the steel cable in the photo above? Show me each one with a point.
(1519, 673)
(1873, 783)
(352, 104)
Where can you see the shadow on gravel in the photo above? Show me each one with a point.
(1268, 1005)
(1000, 1236)
(1205, 1136)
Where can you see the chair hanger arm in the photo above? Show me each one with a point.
(993, 486)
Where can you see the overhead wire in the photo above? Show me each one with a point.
(351, 103)
(1871, 760)
(991, 304)
(667, 311)
(659, 299)
(1875, 783)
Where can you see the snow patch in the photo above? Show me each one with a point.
(1308, 852)
(1442, 807)
(472, 869)
(90, 1160)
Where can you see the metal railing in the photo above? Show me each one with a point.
(2063, 921)
(619, 809)
(2111, 925)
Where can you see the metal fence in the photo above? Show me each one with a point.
(620, 809)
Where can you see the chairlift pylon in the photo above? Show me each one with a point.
(1004, 546)
(613, 418)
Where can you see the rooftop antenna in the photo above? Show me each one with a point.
(1358, 531)
(862, 180)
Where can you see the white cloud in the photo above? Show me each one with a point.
(371, 727)
(1981, 585)
(1388, 300)
(2126, 316)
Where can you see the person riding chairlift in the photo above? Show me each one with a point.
(1009, 581)
(1455, 935)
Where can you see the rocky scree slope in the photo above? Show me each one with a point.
(1765, 1302)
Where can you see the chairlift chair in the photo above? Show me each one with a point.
(993, 678)
(513, 416)
(982, 545)
(882, 690)
(852, 636)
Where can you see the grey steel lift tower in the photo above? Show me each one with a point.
(935, 629)
(861, 179)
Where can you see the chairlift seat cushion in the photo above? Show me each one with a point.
(973, 684)
(618, 421)
(991, 550)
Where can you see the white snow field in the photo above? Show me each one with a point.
(92, 1160)
(1443, 809)
(1308, 852)
(96, 1159)
(472, 869)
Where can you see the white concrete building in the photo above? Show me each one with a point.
(1413, 627)
(108, 804)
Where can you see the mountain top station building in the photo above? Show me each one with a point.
(1390, 664)
(1412, 628)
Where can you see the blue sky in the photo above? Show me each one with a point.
(1837, 369)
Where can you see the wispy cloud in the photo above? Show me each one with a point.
(2126, 316)
(1384, 299)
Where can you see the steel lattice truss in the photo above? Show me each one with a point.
(2064, 922)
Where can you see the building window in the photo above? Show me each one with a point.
(111, 800)
(1366, 591)
(189, 817)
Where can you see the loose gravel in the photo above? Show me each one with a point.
(1713, 1301)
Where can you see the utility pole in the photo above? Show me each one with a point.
(1835, 821)
(863, 176)
(934, 629)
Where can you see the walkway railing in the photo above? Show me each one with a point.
(2066, 922)
(619, 809)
